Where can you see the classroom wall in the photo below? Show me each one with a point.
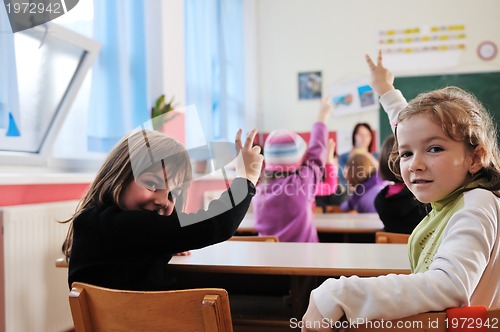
(332, 36)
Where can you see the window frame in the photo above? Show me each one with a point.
(90, 49)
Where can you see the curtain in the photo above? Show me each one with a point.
(119, 84)
(9, 93)
(214, 66)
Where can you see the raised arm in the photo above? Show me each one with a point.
(325, 109)
(249, 164)
(382, 79)
(316, 151)
(382, 82)
(329, 185)
(312, 171)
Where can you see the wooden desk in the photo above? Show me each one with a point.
(348, 223)
(340, 223)
(294, 260)
(282, 258)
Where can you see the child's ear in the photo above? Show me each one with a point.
(477, 159)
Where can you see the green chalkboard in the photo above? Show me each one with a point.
(485, 86)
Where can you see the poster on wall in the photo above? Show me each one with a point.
(310, 85)
(349, 97)
(423, 47)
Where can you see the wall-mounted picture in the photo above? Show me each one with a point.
(310, 85)
(351, 97)
(366, 96)
(344, 100)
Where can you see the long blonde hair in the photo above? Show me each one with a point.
(463, 119)
(136, 153)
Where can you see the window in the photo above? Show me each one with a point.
(51, 63)
(65, 133)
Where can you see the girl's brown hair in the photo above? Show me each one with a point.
(359, 168)
(385, 152)
(133, 155)
(464, 119)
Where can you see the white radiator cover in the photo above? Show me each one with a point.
(36, 292)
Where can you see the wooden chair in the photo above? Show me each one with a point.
(318, 210)
(327, 209)
(61, 262)
(260, 238)
(388, 237)
(422, 322)
(102, 309)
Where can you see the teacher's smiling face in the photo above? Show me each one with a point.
(362, 138)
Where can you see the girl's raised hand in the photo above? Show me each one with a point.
(325, 108)
(249, 164)
(382, 79)
(330, 152)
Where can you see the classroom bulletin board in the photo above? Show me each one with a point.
(485, 86)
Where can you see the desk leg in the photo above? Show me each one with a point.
(301, 287)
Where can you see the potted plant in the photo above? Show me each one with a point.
(159, 113)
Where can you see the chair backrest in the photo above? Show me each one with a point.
(388, 237)
(61, 262)
(430, 321)
(328, 209)
(318, 209)
(260, 238)
(102, 309)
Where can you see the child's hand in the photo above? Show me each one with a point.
(249, 164)
(325, 109)
(382, 79)
(330, 152)
(183, 253)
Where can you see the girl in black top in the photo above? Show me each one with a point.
(130, 221)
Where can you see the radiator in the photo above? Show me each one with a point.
(36, 292)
